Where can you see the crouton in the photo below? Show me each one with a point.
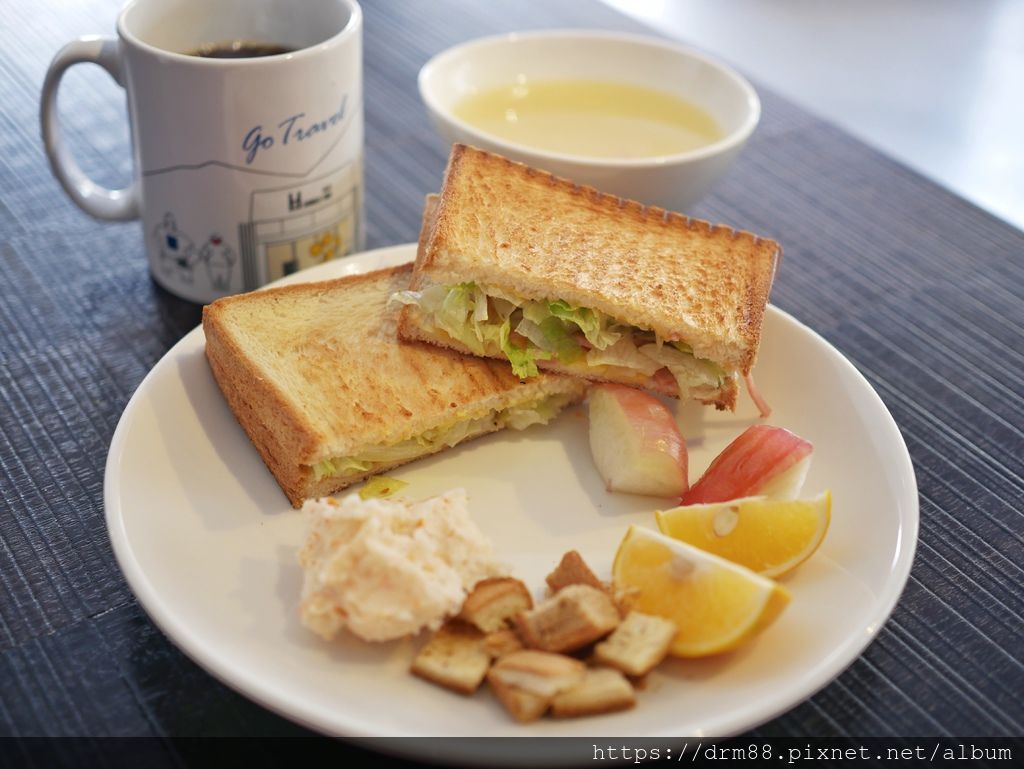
(526, 681)
(572, 570)
(494, 601)
(454, 657)
(637, 645)
(602, 690)
(521, 705)
(575, 616)
(541, 673)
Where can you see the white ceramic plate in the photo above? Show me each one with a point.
(208, 543)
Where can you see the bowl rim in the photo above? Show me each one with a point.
(730, 141)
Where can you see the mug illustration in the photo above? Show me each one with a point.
(325, 247)
(219, 258)
(300, 225)
(286, 219)
(287, 229)
(177, 252)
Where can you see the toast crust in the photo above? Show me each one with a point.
(314, 371)
(501, 223)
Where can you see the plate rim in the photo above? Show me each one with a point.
(243, 681)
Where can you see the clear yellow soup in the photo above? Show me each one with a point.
(590, 117)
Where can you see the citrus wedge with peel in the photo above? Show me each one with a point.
(769, 536)
(715, 604)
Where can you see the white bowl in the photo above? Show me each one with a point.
(676, 181)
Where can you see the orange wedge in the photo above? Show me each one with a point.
(769, 536)
(716, 604)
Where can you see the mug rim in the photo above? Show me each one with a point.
(352, 27)
(728, 142)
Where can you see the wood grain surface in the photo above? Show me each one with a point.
(920, 289)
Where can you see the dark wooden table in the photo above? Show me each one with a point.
(920, 289)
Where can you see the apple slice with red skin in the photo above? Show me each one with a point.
(763, 461)
(636, 442)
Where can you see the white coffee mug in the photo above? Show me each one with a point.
(246, 169)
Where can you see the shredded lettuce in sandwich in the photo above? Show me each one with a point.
(515, 417)
(526, 330)
(339, 466)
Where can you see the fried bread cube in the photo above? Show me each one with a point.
(602, 690)
(526, 681)
(637, 645)
(572, 570)
(573, 617)
(494, 601)
(454, 657)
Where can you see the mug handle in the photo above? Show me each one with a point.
(99, 201)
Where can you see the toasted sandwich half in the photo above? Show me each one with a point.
(329, 396)
(518, 264)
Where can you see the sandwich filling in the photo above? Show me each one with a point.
(517, 417)
(495, 323)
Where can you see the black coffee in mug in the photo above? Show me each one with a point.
(239, 49)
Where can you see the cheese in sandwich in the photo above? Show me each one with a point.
(517, 264)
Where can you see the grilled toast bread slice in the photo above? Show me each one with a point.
(507, 227)
(315, 373)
